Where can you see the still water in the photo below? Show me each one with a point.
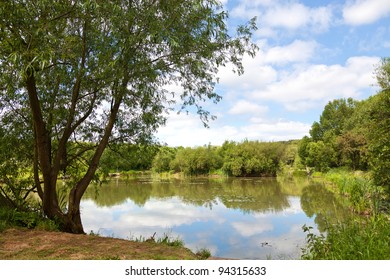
(255, 218)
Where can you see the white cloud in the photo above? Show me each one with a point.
(290, 15)
(259, 71)
(256, 74)
(296, 15)
(246, 107)
(297, 90)
(314, 84)
(278, 130)
(250, 8)
(361, 12)
(187, 130)
(297, 51)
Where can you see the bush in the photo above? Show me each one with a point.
(28, 219)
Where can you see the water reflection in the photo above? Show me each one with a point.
(318, 202)
(254, 218)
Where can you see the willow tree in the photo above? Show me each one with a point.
(83, 74)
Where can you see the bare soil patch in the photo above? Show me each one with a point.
(24, 244)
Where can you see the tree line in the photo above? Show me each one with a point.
(353, 134)
(240, 159)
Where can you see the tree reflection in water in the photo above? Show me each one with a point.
(232, 217)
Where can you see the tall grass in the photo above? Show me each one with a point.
(363, 195)
(367, 239)
(166, 239)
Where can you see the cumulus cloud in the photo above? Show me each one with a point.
(288, 77)
(297, 51)
(268, 130)
(246, 107)
(296, 15)
(361, 12)
(290, 15)
(187, 130)
(259, 71)
(303, 88)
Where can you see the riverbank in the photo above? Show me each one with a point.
(33, 244)
(367, 235)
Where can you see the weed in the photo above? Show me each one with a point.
(203, 254)
(166, 239)
(92, 233)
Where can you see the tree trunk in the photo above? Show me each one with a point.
(72, 220)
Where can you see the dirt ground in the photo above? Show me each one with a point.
(24, 244)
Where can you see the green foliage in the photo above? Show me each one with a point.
(367, 239)
(321, 156)
(353, 151)
(28, 219)
(252, 158)
(354, 135)
(77, 76)
(379, 139)
(203, 254)
(125, 157)
(163, 159)
(197, 161)
(16, 175)
(170, 241)
(248, 158)
(331, 144)
(333, 119)
(364, 195)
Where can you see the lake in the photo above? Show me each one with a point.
(242, 218)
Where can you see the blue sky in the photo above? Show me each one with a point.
(311, 52)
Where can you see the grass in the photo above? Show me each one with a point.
(166, 239)
(27, 235)
(33, 244)
(363, 195)
(367, 239)
(203, 254)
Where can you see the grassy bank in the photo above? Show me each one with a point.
(364, 197)
(364, 237)
(26, 235)
(359, 239)
(35, 244)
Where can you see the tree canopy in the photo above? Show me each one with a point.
(354, 134)
(78, 75)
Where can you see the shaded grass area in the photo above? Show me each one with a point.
(34, 244)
